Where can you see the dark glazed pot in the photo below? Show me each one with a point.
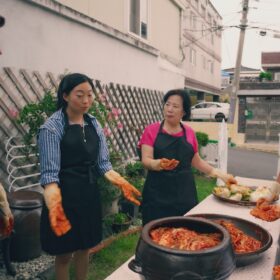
(155, 262)
(249, 228)
(26, 207)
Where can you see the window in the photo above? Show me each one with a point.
(204, 62)
(138, 20)
(277, 76)
(196, 4)
(199, 106)
(209, 18)
(212, 34)
(203, 30)
(193, 21)
(211, 66)
(203, 11)
(192, 56)
(210, 105)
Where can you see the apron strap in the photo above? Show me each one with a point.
(181, 124)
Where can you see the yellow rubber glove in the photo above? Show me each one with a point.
(58, 221)
(163, 164)
(129, 191)
(6, 217)
(227, 178)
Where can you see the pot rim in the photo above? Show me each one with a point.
(160, 222)
(260, 228)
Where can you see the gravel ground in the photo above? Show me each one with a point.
(31, 270)
(40, 268)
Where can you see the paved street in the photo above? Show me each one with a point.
(252, 164)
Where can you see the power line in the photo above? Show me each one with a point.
(196, 40)
(218, 28)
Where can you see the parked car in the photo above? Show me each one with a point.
(210, 111)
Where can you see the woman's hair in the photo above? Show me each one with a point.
(66, 85)
(186, 101)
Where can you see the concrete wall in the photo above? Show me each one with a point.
(166, 28)
(42, 35)
(163, 20)
(112, 13)
(212, 129)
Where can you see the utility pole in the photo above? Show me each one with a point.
(236, 79)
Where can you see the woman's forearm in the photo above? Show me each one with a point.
(201, 165)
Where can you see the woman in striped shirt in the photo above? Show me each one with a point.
(73, 154)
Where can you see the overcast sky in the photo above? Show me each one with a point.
(263, 14)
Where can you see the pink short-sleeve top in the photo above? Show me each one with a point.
(150, 133)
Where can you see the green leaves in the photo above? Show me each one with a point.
(265, 75)
(202, 139)
(134, 169)
(33, 115)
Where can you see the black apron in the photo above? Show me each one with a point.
(80, 195)
(170, 193)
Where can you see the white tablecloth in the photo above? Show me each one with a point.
(260, 270)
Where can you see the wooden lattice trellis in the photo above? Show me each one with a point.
(139, 107)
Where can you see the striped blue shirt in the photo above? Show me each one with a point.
(50, 135)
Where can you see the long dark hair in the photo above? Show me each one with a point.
(186, 101)
(66, 85)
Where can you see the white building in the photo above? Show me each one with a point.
(156, 44)
(202, 38)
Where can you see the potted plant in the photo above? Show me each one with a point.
(110, 196)
(118, 222)
(266, 76)
(135, 174)
(202, 139)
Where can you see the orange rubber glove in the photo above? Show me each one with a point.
(129, 191)
(163, 164)
(58, 221)
(168, 164)
(227, 178)
(6, 217)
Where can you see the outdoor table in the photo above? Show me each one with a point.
(262, 268)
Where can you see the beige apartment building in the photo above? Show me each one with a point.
(202, 36)
(156, 44)
(186, 34)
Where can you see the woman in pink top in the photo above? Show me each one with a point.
(169, 149)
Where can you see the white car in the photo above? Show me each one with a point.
(210, 111)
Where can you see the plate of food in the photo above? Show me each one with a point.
(245, 195)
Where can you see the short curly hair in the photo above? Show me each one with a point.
(186, 100)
